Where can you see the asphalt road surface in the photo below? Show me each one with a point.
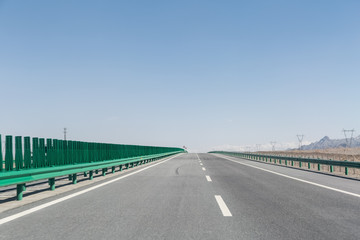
(197, 196)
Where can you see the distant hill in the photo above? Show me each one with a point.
(326, 142)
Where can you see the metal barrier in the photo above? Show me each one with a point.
(57, 158)
(290, 160)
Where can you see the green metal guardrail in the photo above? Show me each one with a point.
(291, 160)
(57, 158)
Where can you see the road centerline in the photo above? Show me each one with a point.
(208, 178)
(222, 205)
(204, 169)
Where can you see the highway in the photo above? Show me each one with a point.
(197, 196)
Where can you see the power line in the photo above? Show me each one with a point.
(65, 131)
(258, 146)
(348, 133)
(300, 138)
(273, 145)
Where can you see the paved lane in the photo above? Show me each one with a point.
(197, 196)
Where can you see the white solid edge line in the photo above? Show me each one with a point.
(208, 178)
(224, 209)
(294, 178)
(45, 205)
(203, 169)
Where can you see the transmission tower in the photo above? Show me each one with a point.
(65, 131)
(300, 138)
(258, 146)
(348, 137)
(273, 145)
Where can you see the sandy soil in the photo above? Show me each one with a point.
(341, 154)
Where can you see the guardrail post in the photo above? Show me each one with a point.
(1, 156)
(85, 174)
(91, 175)
(113, 169)
(120, 168)
(97, 171)
(19, 191)
(319, 167)
(285, 162)
(52, 184)
(300, 165)
(292, 163)
(70, 177)
(9, 165)
(19, 161)
(309, 166)
(331, 168)
(74, 178)
(346, 169)
(104, 171)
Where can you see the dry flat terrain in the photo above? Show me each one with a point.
(338, 154)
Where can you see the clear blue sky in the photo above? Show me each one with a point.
(198, 73)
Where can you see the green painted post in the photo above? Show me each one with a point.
(85, 174)
(19, 191)
(309, 165)
(346, 169)
(9, 165)
(42, 158)
(35, 154)
(292, 163)
(331, 168)
(120, 168)
(18, 153)
(300, 164)
(52, 184)
(319, 167)
(49, 159)
(97, 171)
(70, 177)
(113, 169)
(285, 162)
(1, 156)
(74, 178)
(104, 171)
(91, 175)
(27, 152)
(24, 187)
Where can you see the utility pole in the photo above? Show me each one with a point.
(258, 146)
(65, 133)
(273, 145)
(347, 134)
(300, 138)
